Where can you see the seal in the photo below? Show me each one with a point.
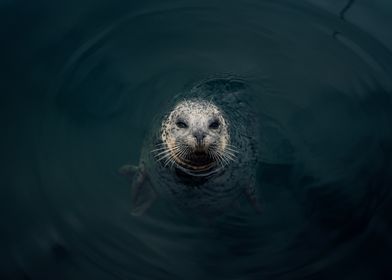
(201, 153)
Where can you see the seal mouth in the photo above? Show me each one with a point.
(199, 151)
(196, 160)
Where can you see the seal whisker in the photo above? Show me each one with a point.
(214, 157)
(183, 152)
(162, 153)
(158, 149)
(169, 157)
(230, 155)
(220, 159)
(172, 162)
(169, 150)
(232, 146)
(164, 157)
(168, 161)
(217, 160)
(165, 154)
(179, 153)
(227, 157)
(231, 150)
(160, 144)
(223, 161)
(187, 151)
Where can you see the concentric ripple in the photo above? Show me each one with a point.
(90, 89)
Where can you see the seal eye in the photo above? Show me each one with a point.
(214, 125)
(181, 124)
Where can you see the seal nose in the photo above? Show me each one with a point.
(199, 136)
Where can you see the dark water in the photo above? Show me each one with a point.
(82, 80)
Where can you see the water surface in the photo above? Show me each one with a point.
(82, 82)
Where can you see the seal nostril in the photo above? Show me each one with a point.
(199, 135)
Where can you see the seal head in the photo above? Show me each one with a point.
(195, 137)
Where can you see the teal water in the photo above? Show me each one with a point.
(82, 81)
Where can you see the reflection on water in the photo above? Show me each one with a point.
(83, 82)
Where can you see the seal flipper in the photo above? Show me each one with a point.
(250, 194)
(143, 194)
(128, 170)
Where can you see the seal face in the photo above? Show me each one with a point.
(195, 137)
